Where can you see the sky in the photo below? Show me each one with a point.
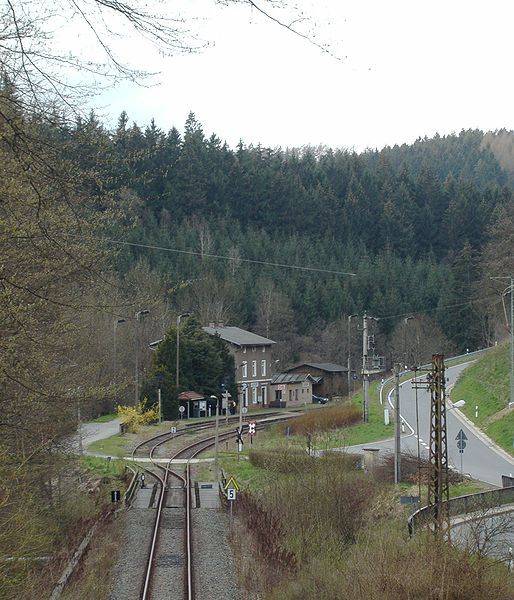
(397, 71)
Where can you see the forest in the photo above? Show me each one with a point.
(107, 236)
(407, 230)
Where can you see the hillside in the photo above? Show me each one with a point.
(486, 384)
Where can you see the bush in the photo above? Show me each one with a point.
(293, 460)
(133, 418)
(384, 565)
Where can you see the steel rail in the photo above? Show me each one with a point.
(153, 545)
(197, 447)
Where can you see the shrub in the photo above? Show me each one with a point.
(293, 460)
(133, 418)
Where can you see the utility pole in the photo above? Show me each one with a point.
(438, 490)
(511, 289)
(365, 374)
(397, 425)
(510, 328)
(350, 317)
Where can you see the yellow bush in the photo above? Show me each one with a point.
(134, 417)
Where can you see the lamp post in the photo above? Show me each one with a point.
(138, 316)
(177, 372)
(114, 362)
(350, 317)
(216, 439)
(405, 321)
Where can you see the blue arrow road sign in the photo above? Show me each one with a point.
(461, 441)
(461, 436)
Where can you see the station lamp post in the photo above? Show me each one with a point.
(350, 317)
(177, 371)
(138, 315)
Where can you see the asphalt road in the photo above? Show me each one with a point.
(481, 459)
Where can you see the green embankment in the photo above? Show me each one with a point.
(486, 385)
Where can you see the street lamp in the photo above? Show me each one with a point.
(114, 365)
(186, 314)
(138, 316)
(216, 439)
(350, 317)
(405, 321)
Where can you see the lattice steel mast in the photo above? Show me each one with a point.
(438, 491)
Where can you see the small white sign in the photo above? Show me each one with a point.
(231, 494)
(181, 409)
(244, 410)
(173, 430)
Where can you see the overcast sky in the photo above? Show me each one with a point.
(407, 69)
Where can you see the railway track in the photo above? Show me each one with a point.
(170, 556)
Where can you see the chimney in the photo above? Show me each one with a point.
(220, 325)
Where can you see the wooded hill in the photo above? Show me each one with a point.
(410, 221)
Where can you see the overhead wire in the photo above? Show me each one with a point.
(208, 255)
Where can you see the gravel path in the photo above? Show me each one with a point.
(215, 577)
(129, 571)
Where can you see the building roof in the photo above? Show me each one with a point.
(190, 396)
(238, 336)
(328, 367)
(293, 378)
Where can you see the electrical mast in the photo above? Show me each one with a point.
(370, 364)
(438, 491)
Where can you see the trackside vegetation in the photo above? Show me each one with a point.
(316, 528)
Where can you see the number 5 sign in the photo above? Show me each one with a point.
(231, 494)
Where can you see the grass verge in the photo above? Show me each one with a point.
(485, 388)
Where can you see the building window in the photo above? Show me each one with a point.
(264, 348)
(245, 397)
(254, 348)
(254, 395)
(244, 369)
(278, 395)
(263, 368)
(254, 368)
(244, 349)
(264, 393)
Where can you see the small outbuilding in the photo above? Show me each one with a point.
(291, 389)
(332, 379)
(195, 405)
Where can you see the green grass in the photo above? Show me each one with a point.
(466, 487)
(116, 445)
(103, 467)
(375, 429)
(486, 385)
(105, 418)
(246, 475)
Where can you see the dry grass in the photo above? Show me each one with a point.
(384, 565)
(325, 419)
(294, 460)
(322, 531)
(92, 581)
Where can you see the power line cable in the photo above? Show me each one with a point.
(218, 256)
